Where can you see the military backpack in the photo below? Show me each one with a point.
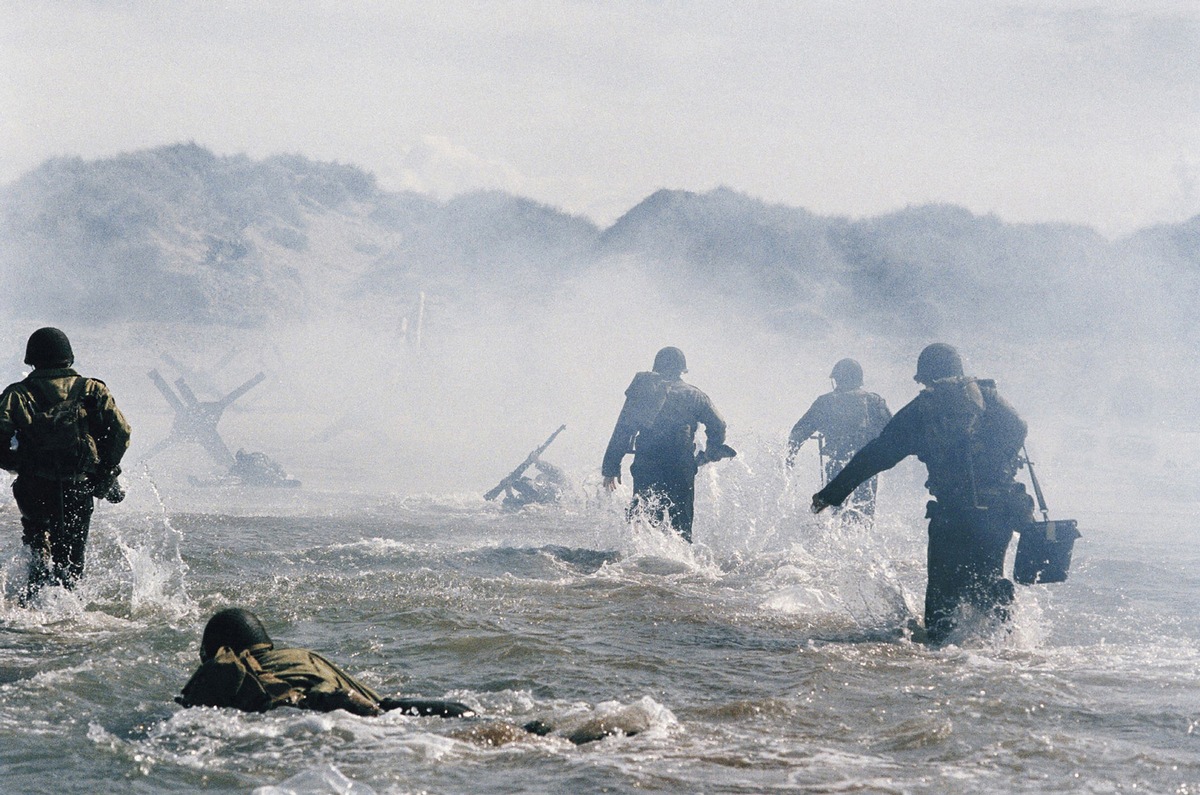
(644, 400)
(232, 679)
(58, 441)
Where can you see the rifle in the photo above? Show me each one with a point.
(714, 453)
(516, 473)
(1044, 551)
(820, 437)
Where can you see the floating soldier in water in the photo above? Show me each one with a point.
(969, 439)
(64, 436)
(520, 490)
(251, 469)
(258, 469)
(241, 668)
(547, 487)
(658, 424)
(844, 420)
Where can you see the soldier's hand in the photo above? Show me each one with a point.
(819, 504)
(352, 702)
(610, 483)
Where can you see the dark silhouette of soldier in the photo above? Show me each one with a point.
(969, 439)
(658, 424)
(259, 469)
(545, 488)
(64, 437)
(241, 668)
(846, 419)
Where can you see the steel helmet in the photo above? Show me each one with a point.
(233, 627)
(48, 346)
(848, 374)
(938, 360)
(670, 361)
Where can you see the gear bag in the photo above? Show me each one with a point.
(954, 407)
(1044, 551)
(58, 443)
(237, 680)
(644, 400)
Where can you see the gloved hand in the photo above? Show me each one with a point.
(819, 504)
(106, 486)
(349, 700)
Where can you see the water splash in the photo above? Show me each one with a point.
(323, 780)
(150, 546)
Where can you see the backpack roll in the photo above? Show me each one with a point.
(644, 400)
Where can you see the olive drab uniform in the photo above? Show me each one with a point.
(58, 470)
(658, 424)
(263, 677)
(969, 439)
(846, 419)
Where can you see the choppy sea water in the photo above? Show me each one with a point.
(772, 656)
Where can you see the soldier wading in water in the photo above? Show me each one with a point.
(658, 424)
(846, 418)
(64, 437)
(969, 439)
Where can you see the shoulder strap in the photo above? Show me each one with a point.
(1037, 487)
(77, 388)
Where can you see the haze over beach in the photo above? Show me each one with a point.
(441, 231)
(1078, 112)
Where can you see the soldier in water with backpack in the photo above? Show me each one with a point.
(240, 667)
(969, 438)
(63, 435)
(847, 418)
(658, 424)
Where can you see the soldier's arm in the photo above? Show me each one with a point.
(714, 425)
(621, 441)
(618, 445)
(805, 427)
(897, 441)
(114, 430)
(322, 699)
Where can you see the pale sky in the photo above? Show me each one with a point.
(1084, 112)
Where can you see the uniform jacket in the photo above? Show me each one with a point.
(263, 677)
(668, 439)
(20, 401)
(848, 419)
(968, 437)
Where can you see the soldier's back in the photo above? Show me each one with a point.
(852, 417)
